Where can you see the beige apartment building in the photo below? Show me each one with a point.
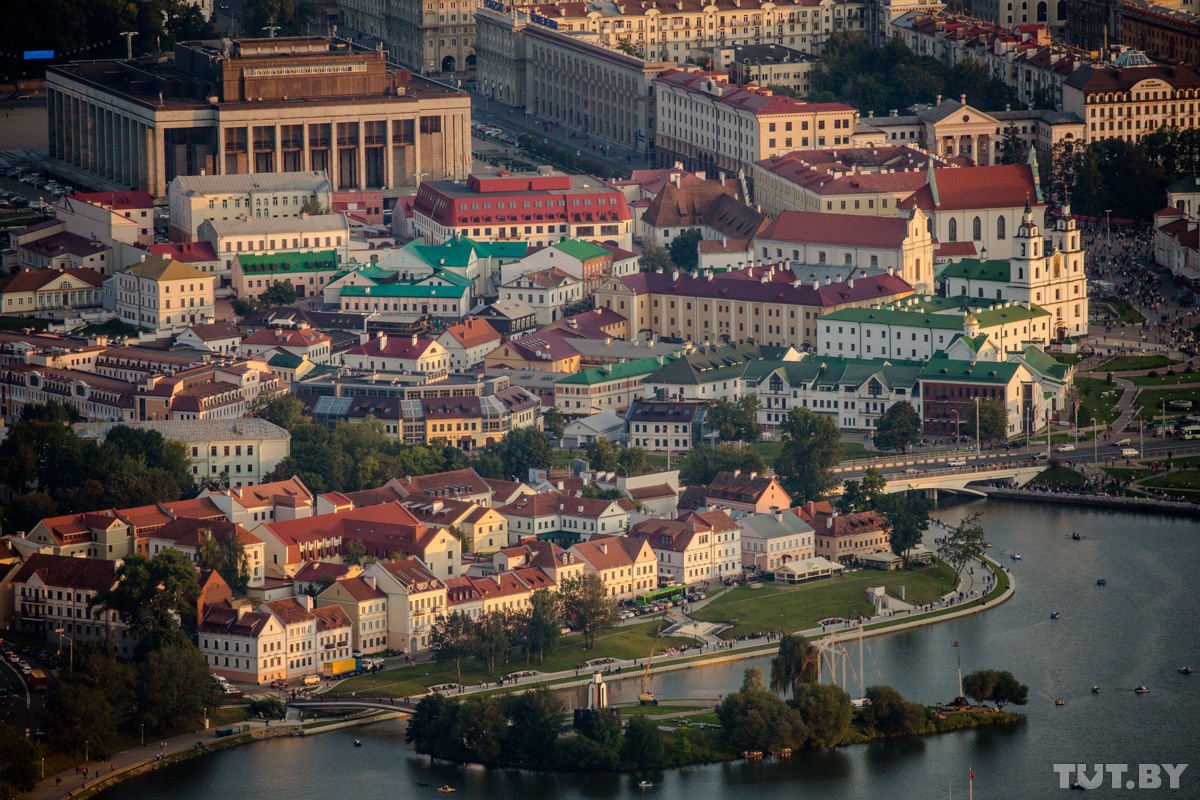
(249, 106)
(1132, 102)
(193, 199)
(164, 296)
(500, 51)
(711, 125)
(432, 36)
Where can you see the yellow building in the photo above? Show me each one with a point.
(548, 351)
(163, 295)
(484, 530)
(365, 605)
(48, 289)
(627, 566)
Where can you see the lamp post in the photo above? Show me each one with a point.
(271, 30)
(978, 433)
(1108, 228)
(143, 727)
(71, 663)
(957, 424)
(1095, 443)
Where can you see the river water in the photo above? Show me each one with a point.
(1138, 629)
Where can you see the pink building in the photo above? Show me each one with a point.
(366, 207)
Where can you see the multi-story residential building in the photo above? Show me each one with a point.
(468, 342)
(547, 291)
(626, 565)
(535, 208)
(718, 209)
(301, 655)
(484, 530)
(367, 608)
(549, 351)
(1163, 31)
(1129, 102)
(398, 354)
(842, 538)
(416, 599)
(303, 342)
(552, 516)
(52, 594)
(1094, 24)
(846, 242)
(443, 294)
(307, 271)
(585, 261)
(773, 539)
(188, 535)
(1177, 245)
(288, 104)
(500, 51)
(163, 296)
(251, 506)
(109, 217)
(334, 636)
(194, 199)
(745, 491)
(43, 290)
(273, 239)
(708, 124)
(698, 547)
(605, 389)
(510, 318)
(771, 65)
(670, 427)
(772, 308)
(243, 645)
(53, 247)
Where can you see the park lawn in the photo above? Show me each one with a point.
(1125, 313)
(768, 450)
(1183, 479)
(758, 610)
(114, 327)
(227, 715)
(659, 462)
(561, 459)
(1164, 380)
(1094, 404)
(658, 710)
(695, 719)
(1066, 358)
(628, 642)
(1127, 363)
(1152, 400)
(1060, 476)
(1126, 474)
(21, 323)
(852, 451)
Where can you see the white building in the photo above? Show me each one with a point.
(260, 236)
(196, 198)
(547, 292)
(398, 354)
(468, 342)
(164, 296)
(109, 216)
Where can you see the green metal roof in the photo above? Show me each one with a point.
(1044, 363)
(615, 372)
(285, 360)
(1004, 316)
(706, 366)
(501, 250)
(407, 290)
(879, 316)
(816, 370)
(944, 369)
(316, 261)
(971, 269)
(973, 342)
(454, 253)
(448, 276)
(577, 248)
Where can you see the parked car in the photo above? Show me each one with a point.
(1066, 448)
(24, 667)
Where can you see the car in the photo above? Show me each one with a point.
(1039, 456)
(24, 667)
(1122, 442)
(14, 658)
(1066, 448)
(911, 471)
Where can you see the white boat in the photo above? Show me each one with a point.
(644, 784)
(1015, 556)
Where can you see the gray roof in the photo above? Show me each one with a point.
(765, 526)
(596, 423)
(310, 182)
(264, 225)
(195, 430)
(621, 349)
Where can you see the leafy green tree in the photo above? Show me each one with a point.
(586, 607)
(684, 248)
(654, 259)
(151, 595)
(602, 454)
(524, 449)
(175, 686)
(292, 16)
(826, 710)
(898, 428)
(1009, 690)
(963, 544)
(583, 754)
(20, 758)
(453, 638)
(431, 727)
(25, 511)
(279, 293)
(1012, 147)
(553, 423)
(980, 684)
(703, 463)
(601, 727)
(862, 495)
(627, 47)
(907, 518)
(889, 713)
(793, 665)
(482, 728)
(94, 665)
(541, 624)
(312, 206)
(493, 640)
(755, 719)
(633, 461)
(536, 720)
(812, 447)
(644, 747)
(269, 707)
(993, 420)
(736, 420)
(355, 552)
(76, 715)
(223, 551)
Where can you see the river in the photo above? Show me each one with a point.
(1138, 629)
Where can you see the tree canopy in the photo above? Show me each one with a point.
(586, 606)
(736, 420)
(812, 447)
(703, 463)
(993, 420)
(151, 595)
(684, 249)
(756, 719)
(898, 428)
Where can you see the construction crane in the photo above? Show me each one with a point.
(647, 698)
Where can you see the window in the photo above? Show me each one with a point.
(976, 229)
(953, 234)
(1000, 227)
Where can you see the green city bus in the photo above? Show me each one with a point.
(663, 595)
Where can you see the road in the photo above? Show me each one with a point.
(23, 707)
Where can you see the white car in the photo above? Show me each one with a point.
(24, 667)
(1066, 448)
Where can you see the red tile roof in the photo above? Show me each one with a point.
(843, 229)
(313, 571)
(360, 589)
(393, 347)
(185, 252)
(997, 186)
(31, 280)
(186, 532)
(289, 610)
(117, 201)
(331, 618)
(473, 332)
(727, 287)
(90, 574)
(284, 337)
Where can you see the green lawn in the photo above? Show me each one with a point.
(21, 323)
(1067, 358)
(1060, 476)
(1127, 474)
(629, 642)
(1183, 479)
(658, 710)
(227, 715)
(1127, 363)
(114, 327)
(757, 610)
(1093, 403)
(1164, 380)
(1152, 400)
(1125, 313)
(852, 451)
(659, 462)
(768, 450)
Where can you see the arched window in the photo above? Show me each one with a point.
(1041, 12)
(1000, 232)
(976, 229)
(1022, 250)
(953, 230)
(1020, 273)
(1061, 11)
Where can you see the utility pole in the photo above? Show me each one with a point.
(1095, 443)
(128, 42)
(271, 29)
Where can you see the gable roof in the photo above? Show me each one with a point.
(90, 574)
(161, 268)
(473, 332)
(289, 610)
(996, 186)
(446, 484)
(31, 280)
(842, 229)
(360, 589)
(738, 487)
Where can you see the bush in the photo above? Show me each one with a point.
(1154, 373)
(564, 158)
(268, 707)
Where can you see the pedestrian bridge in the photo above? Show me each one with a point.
(957, 480)
(373, 703)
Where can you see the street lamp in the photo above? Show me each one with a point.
(977, 431)
(957, 424)
(1095, 443)
(72, 641)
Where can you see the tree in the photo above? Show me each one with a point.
(812, 447)
(292, 16)
(586, 607)
(542, 627)
(19, 759)
(151, 595)
(284, 410)
(268, 707)
(703, 463)
(355, 551)
(643, 747)
(602, 455)
(898, 428)
(1012, 147)
(430, 729)
(888, 712)
(536, 719)
(736, 420)
(279, 293)
(77, 715)
(25, 511)
(685, 252)
(794, 664)
(453, 638)
(993, 421)
(826, 710)
(524, 449)
(493, 640)
(481, 727)
(175, 686)
(755, 719)
(980, 684)
(654, 259)
(223, 551)
(312, 206)
(907, 517)
(553, 423)
(963, 544)
(626, 47)
(862, 495)
(1009, 690)
(633, 461)
(94, 665)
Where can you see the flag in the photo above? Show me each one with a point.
(972, 772)
(955, 643)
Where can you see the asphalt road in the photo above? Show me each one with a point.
(22, 707)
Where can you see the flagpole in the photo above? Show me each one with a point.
(971, 787)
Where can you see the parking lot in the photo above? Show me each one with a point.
(23, 186)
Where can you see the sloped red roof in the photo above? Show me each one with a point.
(843, 229)
(90, 574)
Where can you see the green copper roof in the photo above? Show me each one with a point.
(1004, 316)
(318, 261)
(913, 319)
(454, 253)
(944, 369)
(405, 290)
(616, 372)
(1039, 361)
(971, 269)
(577, 248)
(448, 277)
(816, 370)
(501, 250)
(708, 365)
(285, 360)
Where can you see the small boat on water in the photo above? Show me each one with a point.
(445, 787)
(1095, 690)
(987, 544)
(644, 784)
(1055, 614)
(1076, 536)
(1185, 670)
(1015, 556)
(1060, 702)
(1139, 689)
(358, 742)
(1101, 582)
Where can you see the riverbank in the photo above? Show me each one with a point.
(1127, 503)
